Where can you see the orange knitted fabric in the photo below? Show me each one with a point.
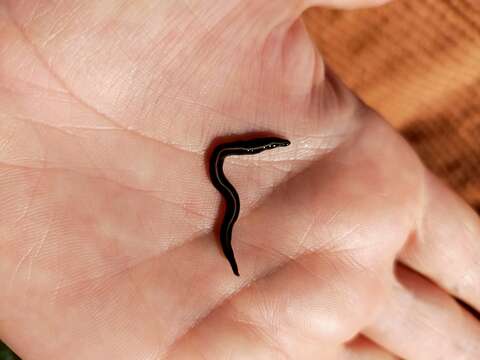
(418, 64)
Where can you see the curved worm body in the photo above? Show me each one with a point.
(221, 183)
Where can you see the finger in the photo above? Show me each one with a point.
(361, 348)
(421, 321)
(446, 245)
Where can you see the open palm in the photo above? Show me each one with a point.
(108, 250)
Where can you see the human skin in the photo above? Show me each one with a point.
(349, 248)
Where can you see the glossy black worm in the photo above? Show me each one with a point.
(221, 183)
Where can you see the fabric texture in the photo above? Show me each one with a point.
(418, 64)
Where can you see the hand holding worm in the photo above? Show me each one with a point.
(106, 210)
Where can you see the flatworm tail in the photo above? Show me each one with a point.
(231, 215)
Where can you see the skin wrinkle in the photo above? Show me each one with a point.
(329, 245)
(248, 76)
(258, 325)
(216, 304)
(106, 117)
(158, 62)
(22, 216)
(53, 166)
(149, 306)
(30, 200)
(88, 128)
(198, 105)
(35, 95)
(46, 66)
(115, 123)
(96, 280)
(33, 123)
(296, 261)
(253, 165)
(465, 281)
(240, 39)
(54, 34)
(4, 143)
(266, 250)
(56, 291)
(95, 167)
(344, 249)
(230, 76)
(197, 19)
(257, 331)
(257, 89)
(39, 94)
(35, 13)
(214, 308)
(17, 268)
(199, 351)
(309, 229)
(40, 246)
(423, 322)
(126, 187)
(227, 297)
(285, 54)
(81, 40)
(456, 287)
(412, 306)
(78, 141)
(339, 97)
(44, 148)
(420, 238)
(167, 66)
(159, 38)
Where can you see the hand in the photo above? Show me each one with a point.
(107, 211)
